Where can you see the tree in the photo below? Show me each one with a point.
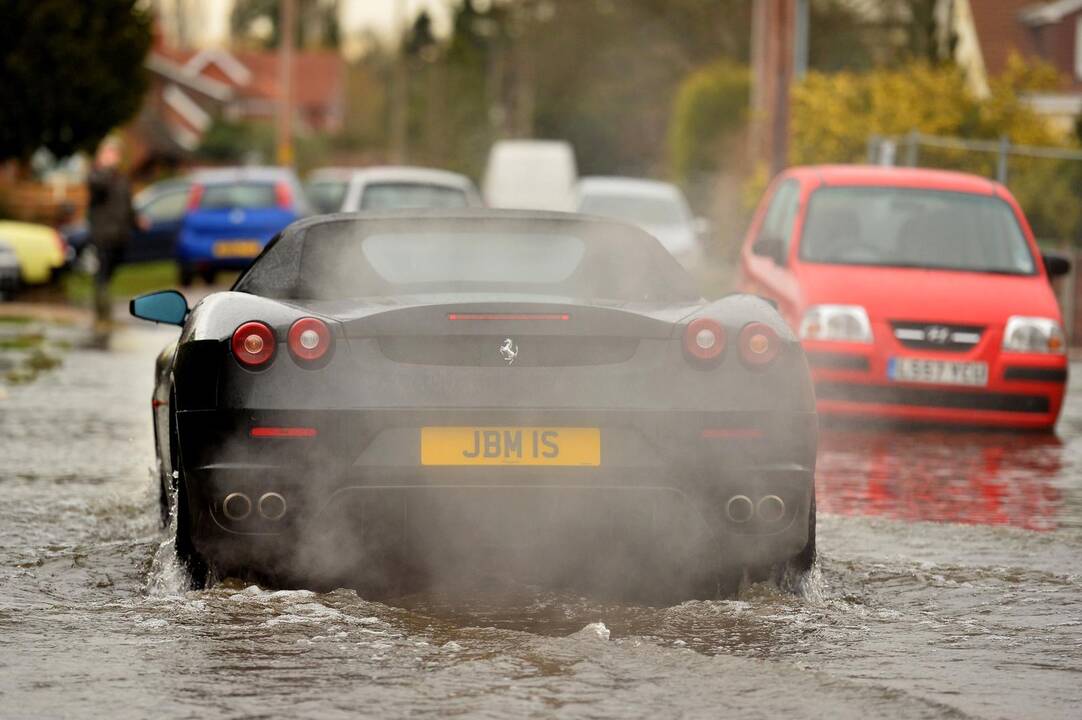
(257, 21)
(71, 72)
(839, 38)
(835, 115)
(606, 73)
(420, 40)
(711, 106)
(235, 142)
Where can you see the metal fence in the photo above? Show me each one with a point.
(884, 150)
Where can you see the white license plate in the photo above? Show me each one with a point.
(938, 372)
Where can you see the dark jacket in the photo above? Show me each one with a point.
(109, 213)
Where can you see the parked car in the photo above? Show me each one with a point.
(9, 271)
(920, 295)
(389, 188)
(531, 175)
(659, 208)
(41, 251)
(162, 205)
(232, 214)
(473, 385)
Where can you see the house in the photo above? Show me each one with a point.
(190, 88)
(988, 32)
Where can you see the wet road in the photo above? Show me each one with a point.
(949, 585)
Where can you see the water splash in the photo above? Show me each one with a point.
(168, 577)
(594, 630)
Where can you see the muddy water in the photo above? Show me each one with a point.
(950, 585)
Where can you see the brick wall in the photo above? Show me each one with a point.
(38, 202)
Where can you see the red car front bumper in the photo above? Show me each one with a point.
(1024, 390)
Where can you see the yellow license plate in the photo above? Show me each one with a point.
(510, 446)
(237, 248)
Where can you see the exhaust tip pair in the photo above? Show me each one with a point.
(238, 506)
(740, 509)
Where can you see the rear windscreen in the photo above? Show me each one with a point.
(404, 196)
(246, 196)
(380, 258)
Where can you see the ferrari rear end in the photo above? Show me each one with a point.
(365, 444)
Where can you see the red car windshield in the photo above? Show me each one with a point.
(903, 227)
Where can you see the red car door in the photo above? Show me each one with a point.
(767, 255)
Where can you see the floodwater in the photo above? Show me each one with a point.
(949, 585)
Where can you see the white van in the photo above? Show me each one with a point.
(531, 175)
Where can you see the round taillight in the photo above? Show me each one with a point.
(704, 339)
(253, 344)
(309, 339)
(759, 344)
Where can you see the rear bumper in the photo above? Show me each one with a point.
(36, 272)
(197, 248)
(356, 492)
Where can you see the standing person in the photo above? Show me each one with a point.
(111, 219)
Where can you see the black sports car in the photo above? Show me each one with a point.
(384, 397)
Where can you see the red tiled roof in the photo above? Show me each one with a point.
(318, 76)
(175, 54)
(1001, 31)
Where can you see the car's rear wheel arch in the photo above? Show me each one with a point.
(187, 553)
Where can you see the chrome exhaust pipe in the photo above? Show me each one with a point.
(272, 506)
(236, 506)
(739, 508)
(771, 508)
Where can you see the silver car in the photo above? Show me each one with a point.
(9, 271)
(389, 188)
(659, 208)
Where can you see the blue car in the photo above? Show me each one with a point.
(232, 214)
(161, 206)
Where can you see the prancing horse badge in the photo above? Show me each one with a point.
(509, 351)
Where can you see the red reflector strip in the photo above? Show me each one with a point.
(156, 403)
(720, 433)
(283, 432)
(508, 316)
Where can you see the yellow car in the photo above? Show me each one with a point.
(40, 249)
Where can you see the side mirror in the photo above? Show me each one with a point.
(165, 306)
(771, 247)
(1057, 265)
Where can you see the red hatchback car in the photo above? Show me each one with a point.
(919, 295)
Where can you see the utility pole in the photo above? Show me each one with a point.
(522, 53)
(773, 56)
(287, 19)
(801, 26)
(399, 100)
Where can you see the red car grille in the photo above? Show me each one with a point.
(937, 336)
